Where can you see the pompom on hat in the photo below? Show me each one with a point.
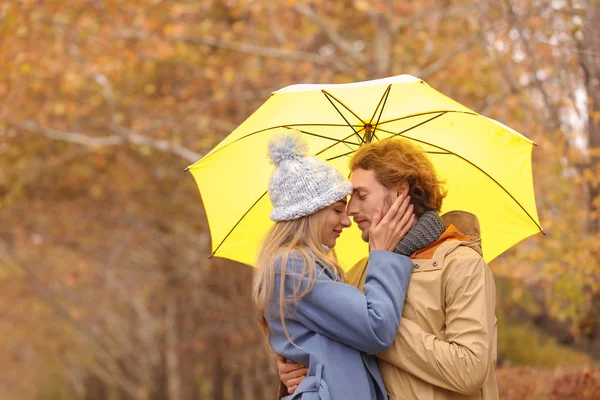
(301, 184)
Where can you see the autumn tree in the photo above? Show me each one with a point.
(104, 268)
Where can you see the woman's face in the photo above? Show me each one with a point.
(337, 220)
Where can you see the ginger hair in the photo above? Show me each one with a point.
(397, 160)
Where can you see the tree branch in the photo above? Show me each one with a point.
(442, 62)
(553, 112)
(499, 98)
(71, 137)
(104, 347)
(163, 145)
(108, 93)
(332, 35)
(274, 26)
(445, 11)
(171, 347)
(247, 48)
(125, 136)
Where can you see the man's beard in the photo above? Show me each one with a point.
(387, 204)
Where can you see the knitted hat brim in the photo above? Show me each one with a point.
(328, 198)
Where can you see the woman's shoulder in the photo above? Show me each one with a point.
(297, 261)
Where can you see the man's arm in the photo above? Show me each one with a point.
(290, 374)
(461, 362)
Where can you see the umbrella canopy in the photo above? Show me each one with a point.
(486, 166)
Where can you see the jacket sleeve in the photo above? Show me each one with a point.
(367, 322)
(461, 362)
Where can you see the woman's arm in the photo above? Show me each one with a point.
(367, 322)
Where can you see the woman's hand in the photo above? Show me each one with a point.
(386, 232)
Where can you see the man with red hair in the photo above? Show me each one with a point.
(446, 344)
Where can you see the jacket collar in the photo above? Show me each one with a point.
(468, 224)
(462, 229)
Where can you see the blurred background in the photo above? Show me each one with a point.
(106, 289)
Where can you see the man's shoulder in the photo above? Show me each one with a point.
(464, 259)
(464, 250)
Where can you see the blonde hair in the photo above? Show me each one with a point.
(302, 237)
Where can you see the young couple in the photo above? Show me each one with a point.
(369, 334)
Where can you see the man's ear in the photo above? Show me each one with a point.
(403, 188)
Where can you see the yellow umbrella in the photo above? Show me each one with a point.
(486, 165)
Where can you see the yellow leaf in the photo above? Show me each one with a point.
(149, 89)
(229, 75)
(25, 68)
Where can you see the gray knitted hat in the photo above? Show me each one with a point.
(301, 184)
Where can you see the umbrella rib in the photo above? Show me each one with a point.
(464, 159)
(412, 127)
(445, 153)
(264, 130)
(344, 140)
(386, 95)
(237, 223)
(340, 155)
(310, 124)
(335, 144)
(426, 113)
(326, 93)
(342, 115)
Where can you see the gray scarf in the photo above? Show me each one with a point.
(428, 229)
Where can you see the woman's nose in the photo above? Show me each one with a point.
(346, 221)
(351, 207)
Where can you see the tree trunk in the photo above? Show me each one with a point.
(172, 352)
(218, 380)
(590, 63)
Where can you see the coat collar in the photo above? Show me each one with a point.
(462, 230)
(468, 224)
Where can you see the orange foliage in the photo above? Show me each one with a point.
(539, 384)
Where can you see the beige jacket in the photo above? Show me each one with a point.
(446, 344)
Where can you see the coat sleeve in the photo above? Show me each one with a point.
(461, 362)
(367, 322)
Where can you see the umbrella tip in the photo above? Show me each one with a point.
(535, 144)
(211, 256)
(186, 169)
(544, 232)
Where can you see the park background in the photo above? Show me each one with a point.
(106, 288)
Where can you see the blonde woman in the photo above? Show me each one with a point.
(310, 315)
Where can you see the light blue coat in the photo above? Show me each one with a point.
(339, 329)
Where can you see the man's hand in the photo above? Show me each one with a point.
(386, 232)
(290, 374)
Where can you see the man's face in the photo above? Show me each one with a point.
(367, 197)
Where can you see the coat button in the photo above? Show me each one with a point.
(435, 263)
(416, 265)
